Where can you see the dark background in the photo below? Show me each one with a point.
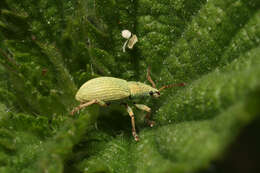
(242, 156)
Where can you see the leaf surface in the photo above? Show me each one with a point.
(49, 49)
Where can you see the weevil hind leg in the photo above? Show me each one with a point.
(147, 116)
(130, 112)
(86, 104)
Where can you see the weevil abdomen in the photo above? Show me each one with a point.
(103, 88)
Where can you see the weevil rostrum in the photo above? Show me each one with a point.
(102, 90)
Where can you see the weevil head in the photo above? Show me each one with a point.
(155, 93)
(140, 89)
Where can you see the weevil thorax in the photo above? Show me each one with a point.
(138, 89)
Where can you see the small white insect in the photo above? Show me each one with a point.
(131, 39)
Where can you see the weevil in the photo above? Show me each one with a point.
(102, 90)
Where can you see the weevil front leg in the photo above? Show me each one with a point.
(83, 105)
(130, 112)
(147, 116)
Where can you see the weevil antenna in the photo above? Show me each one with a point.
(149, 77)
(171, 85)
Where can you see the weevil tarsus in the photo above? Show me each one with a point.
(86, 104)
(131, 114)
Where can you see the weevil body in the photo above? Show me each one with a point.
(104, 89)
(110, 89)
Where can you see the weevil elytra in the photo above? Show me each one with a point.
(104, 89)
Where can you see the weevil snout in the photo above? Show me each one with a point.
(155, 94)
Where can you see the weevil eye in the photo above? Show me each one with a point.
(151, 93)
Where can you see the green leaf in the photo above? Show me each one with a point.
(49, 49)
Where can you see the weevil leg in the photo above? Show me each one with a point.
(147, 116)
(130, 112)
(148, 76)
(83, 105)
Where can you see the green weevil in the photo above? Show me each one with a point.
(102, 90)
